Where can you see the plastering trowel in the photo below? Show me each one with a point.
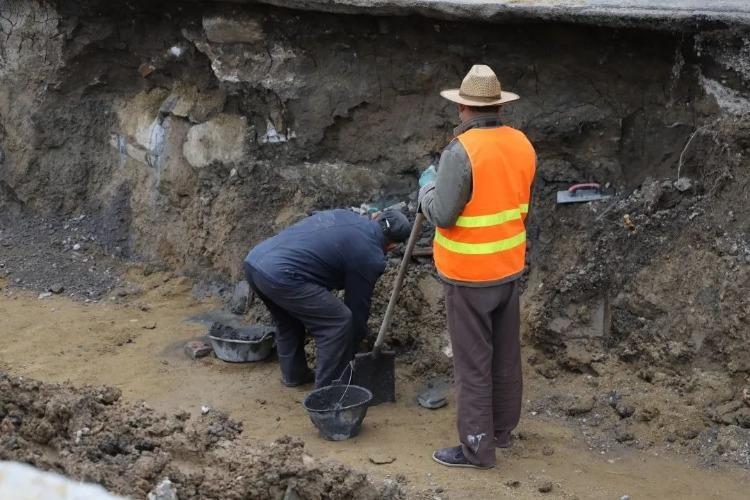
(581, 193)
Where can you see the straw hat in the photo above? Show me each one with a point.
(480, 88)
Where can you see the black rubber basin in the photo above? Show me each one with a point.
(338, 410)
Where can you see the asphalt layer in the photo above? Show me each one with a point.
(663, 14)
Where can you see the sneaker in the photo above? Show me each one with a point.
(307, 378)
(454, 457)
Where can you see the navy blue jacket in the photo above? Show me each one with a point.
(336, 249)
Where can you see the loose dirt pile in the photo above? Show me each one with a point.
(77, 257)
(89, 434)
(418, 332)
(701, 415)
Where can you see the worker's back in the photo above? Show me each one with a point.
(322, 248)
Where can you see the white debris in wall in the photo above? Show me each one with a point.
(272, 136)
(727, 98)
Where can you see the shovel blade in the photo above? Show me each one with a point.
(376, 372)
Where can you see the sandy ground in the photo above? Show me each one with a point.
(57, 339)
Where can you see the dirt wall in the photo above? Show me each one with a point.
(199, 128)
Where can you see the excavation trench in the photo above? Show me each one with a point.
(177, 135)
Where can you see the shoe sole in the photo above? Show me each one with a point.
(464, 466)
(297, 384)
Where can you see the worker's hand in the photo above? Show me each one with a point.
(429, 175)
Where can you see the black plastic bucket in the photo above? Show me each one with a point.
(336, 417)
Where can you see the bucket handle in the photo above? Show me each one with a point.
(350, 366)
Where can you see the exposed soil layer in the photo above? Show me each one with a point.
(90, 435)
(197, 133)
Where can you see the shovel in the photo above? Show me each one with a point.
(375, 370)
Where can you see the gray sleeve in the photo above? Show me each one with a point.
(443, 201)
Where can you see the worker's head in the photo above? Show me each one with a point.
(480, 93)
(466, 113)
(395, 226)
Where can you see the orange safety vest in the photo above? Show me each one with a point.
(488, 241)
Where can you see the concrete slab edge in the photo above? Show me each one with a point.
(648, 16)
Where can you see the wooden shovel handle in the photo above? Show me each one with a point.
(416, 231)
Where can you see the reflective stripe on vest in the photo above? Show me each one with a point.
(481, 248)
(487, 242)
(494, 219)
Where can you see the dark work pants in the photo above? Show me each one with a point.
(484, 326)
(304, 306)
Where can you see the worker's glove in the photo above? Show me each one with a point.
(428, 176)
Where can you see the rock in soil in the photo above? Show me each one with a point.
(109, 395)
(434, 393)
(197, 349)
(624, 436)
(546, 487)
(647, 414)
(624, 410)
(291, 494)
(689, 432)
(164, 491)
(579, 405)
(743, 418)
(381, 459)
(548, 370)
(725, 414)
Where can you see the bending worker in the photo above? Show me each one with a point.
(294, 272)
(478, 201)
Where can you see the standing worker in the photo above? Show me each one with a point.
(294, 272)
(478, 200)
